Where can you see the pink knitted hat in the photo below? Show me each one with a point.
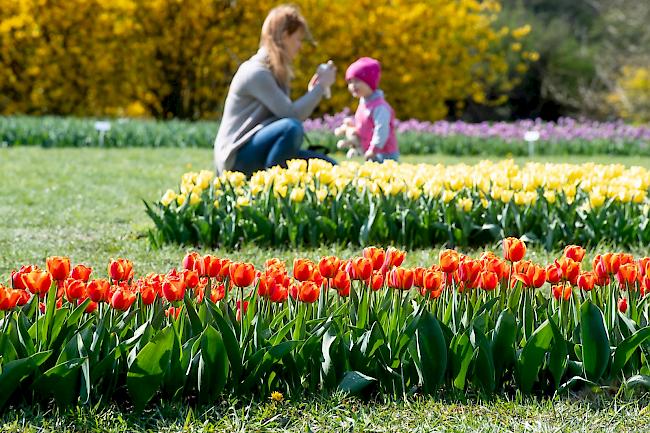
(365, 69)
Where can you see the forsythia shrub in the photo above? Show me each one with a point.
(176, 57)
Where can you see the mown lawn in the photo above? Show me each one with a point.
(87, 204)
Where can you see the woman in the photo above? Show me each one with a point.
(261, 126)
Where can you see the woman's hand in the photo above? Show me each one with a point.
(326, 76)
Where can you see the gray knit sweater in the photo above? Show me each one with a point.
(254, 100)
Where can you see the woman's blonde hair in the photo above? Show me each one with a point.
(281, 19)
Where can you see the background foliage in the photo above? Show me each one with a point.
(175, 58)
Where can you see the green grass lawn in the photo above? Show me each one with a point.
(87, 204)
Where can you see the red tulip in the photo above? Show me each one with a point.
(622, 305)
(308, 292)
(303, 269)
(173, 288)
(120, 270)
(58, 267)
(122, 299)
(212, 265)
(627, 274)
(488, 280)
(191, 278)
(342, 283)
(278, 293)
(587, 281)
(376, 255)
(393, 258)
(514, 249)
(173, 312)
(242, 274)
(329, 266)
(74, 289)
(376, 281)
(98, 290)
(17, 277)
(560, 291)
(8, 298)
(574, 252)
(553, 273)
(359, 268)
(449, 261)
(38, 282)
(81, 272)
(217, 293)
(194, 262)
(401, 278)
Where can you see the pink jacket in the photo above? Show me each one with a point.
(365, 125)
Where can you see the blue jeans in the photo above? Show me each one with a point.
(381, 157)
(273, 145)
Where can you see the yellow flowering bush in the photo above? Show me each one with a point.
(168, 58)
(632, 95)
(408, 204)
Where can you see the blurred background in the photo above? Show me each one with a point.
(455, 60)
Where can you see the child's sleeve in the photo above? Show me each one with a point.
(381, 119)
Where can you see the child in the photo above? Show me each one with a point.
(374, 119)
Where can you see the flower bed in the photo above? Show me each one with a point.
(565, 137)
(219, 327)
(407, 205)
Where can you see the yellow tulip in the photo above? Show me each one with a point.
(297, 195)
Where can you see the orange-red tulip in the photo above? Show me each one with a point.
(217, 293)
(342, 283)
(194, 262)
(432, 280)
(58, 267)
(418, 276)
(392, 258)
(329, 266)
(146, 288)
(575, 252)
(263, 283)
(587, 281)
(359, 268)
(98, 290)
(376, 255)
(74, 289)
(553, 273)
(224, 272)
(8, 298)
(627, 274)
(81, 272)
(303, 269)
(191, 278)
(38, 282)
(173, 288)
(449, 261)
(308, 292)
(570, 269)
(560, 291)
(242, 274)
(90, 308)
(17, 277)
(376, 281)
(488, 280)
(122, 299)
(513, 249)
(174, 312)
(212, 265)
(400, 278)
(120, 270)
(278, 293)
